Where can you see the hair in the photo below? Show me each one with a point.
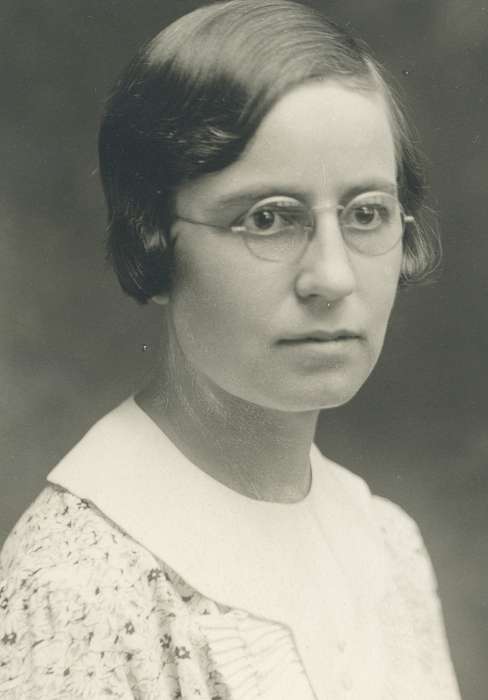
(191, 100)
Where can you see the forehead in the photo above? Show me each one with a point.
(321, 139)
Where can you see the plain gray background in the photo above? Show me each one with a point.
(72, 346)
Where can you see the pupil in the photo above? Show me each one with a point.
(365, 215)
(264, 219)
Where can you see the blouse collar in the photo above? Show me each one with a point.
(277, 561)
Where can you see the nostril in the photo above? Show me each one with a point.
(326, 269)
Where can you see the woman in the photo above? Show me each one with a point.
(263, 189)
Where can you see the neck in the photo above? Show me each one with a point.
(259, 452)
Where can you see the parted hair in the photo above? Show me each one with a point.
(191, 100)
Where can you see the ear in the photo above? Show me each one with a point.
(161, 299)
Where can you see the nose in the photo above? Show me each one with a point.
(325, 269)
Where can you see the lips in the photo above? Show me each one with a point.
(320, 336)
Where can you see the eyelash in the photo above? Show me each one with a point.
(273, 202)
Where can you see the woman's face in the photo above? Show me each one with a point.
(299, 335)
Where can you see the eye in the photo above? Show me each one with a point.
(368, 216)
(370, 212)
(263, 219)
(274, 216)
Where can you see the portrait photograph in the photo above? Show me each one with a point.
(244, 338)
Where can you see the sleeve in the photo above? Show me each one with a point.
(53, 646)
(84, 613)
(421, 652)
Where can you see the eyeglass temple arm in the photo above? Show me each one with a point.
(205, 223)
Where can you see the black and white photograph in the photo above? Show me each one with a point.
(244, 338)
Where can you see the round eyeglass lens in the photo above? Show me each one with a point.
(372, 223)
(277, 229)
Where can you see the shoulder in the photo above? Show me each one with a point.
(410, 608)
(397, 528)
(400, 532)
(396, 533)
(61, 535)
(86, 609)
(410, 565)
(352, 483)
(409, 560)
(64, 545)
(65, 566)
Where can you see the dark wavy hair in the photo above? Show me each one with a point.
(191, 100)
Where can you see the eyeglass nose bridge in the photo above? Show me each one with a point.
(329, 207)
(309, 227)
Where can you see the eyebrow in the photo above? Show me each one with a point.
(254, 194)
(378, 185)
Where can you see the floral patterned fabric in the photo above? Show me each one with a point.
(86, 612)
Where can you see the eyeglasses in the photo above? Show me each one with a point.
(279, 228)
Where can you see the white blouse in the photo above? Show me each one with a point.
(136, 575)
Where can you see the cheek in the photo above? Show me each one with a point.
(216, 304)
(380, 289)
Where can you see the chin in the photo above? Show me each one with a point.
(317, 381)
(338, 393)
(330, 399)
(331, 389)
(318, 395)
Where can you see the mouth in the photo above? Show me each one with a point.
(320, 336)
